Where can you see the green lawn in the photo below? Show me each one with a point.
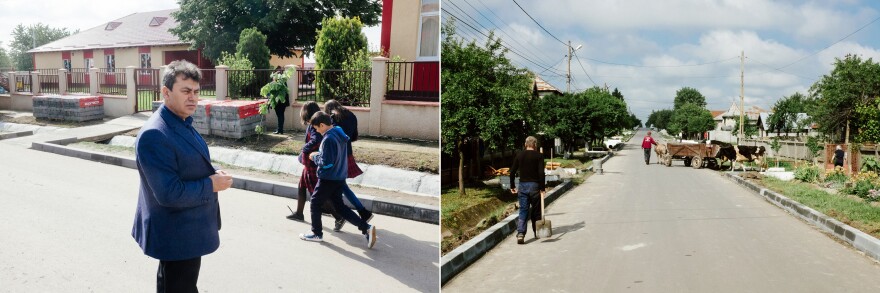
(848, 209)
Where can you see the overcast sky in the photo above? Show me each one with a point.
(83, 15)
(661, 46)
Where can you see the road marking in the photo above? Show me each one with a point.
(633, 247)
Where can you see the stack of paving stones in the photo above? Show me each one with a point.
(235, 119)
(231, 119)
(69, 108)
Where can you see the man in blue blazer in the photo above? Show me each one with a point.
(178, 214)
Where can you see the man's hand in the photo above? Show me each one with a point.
(513, 190)
(221, 181)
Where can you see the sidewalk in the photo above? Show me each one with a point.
(399, 182)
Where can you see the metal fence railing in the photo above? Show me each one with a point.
(349, 87)
(413, 81)
(245, 84)
(78, 80)
(208, 83)
(147, 85)
(48, 81)
(23, 82)
(111, 81)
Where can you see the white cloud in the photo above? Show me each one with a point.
(840, 50)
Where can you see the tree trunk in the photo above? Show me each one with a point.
(847, 163)
(460, 170)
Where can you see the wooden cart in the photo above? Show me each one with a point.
(696, 155)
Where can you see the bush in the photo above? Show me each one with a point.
(837, 176)
(807, 174)
(865, 185)
(253, 43)
(870, 164)
(238, 81)
(338, 39)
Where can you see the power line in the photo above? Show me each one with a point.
(832, 44)
(511, 38)
(661, 66)
(505, 23)
(584, 69)
(777, 69)
(502, 45)
(536, 22)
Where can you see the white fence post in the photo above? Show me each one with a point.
(13, 85)
(93, 81)
(131, 88)
(292, 83)
(221, 83)
(62, 81)
(35, 82)
(378, 83)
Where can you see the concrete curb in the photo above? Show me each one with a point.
(859, 240)
(15, 134)
(388, 207)
(468, 253)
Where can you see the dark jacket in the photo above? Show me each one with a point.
(178, 215)
(349, 125)
(332, 158)
(530, 165)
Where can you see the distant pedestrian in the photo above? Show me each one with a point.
(839, 155)
(530, 164)
(281, 106)
(331, 159)
(646, 145)
(177, 220)
(346, 120)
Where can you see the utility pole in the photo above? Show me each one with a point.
(742, 109)
(568, 71)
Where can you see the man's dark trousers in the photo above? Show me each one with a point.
(331, 190)
(178, 275)
(647, 155)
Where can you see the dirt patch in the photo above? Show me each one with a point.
(267, 175)
(292, 143)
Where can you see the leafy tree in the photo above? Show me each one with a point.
(775, 146)
(691, 120)
(785, 113)
(606, 115)
(563, 117)
(660, 119)
(868, 121)
(237, 82)
(617, 94)
(484, 97)
(5, 62)
(688, 95)
(852, 83)
(25, 38)
(252, 43)
(214, 26)
(750, 129)
(338, 39)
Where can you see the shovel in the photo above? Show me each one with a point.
(545, 228)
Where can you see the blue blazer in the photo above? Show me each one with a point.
(178, 215)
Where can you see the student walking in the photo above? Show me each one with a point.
(332, 162)
(309, 177)
(346, 120)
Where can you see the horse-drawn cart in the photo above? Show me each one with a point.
(696, 155)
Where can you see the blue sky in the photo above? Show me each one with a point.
(662, 46)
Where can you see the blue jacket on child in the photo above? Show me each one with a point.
(332, 158)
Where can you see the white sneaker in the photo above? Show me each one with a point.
(371, 236)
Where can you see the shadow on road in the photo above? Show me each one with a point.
(395, 255)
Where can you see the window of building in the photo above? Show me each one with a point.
(88, 63)
(110, 62)
(429, 31)
(67, 64)
(145, 60)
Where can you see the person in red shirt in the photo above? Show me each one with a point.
(646, 145)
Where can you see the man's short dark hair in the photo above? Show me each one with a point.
(180, 68)
(320, 118)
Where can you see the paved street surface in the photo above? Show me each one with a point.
(65, 226)
(653, 228)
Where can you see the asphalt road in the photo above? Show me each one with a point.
(65, 226)
(641, 228)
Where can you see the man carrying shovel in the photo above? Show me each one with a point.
(530, 164)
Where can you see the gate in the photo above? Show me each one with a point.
(147, 85)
